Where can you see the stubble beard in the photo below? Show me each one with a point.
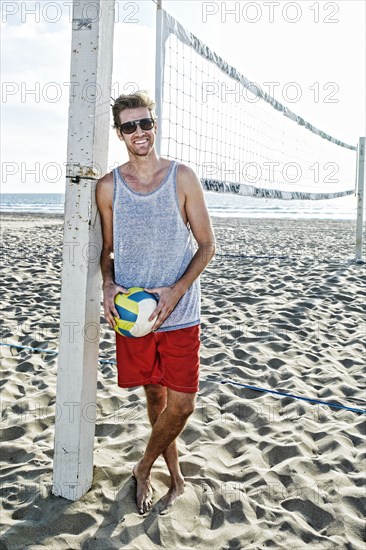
(135, 153)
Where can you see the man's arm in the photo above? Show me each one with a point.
(104, 198)
(200, 223)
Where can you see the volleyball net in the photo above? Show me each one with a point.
(235, 136)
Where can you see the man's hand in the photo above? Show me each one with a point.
(110, 291)
(169, 296)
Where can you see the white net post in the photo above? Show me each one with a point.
(159, 68)
(87, 159)
(360, 196)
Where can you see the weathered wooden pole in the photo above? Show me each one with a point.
(87, 156)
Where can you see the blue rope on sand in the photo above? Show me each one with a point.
(29, 347)
(52, 351)
(255, 388)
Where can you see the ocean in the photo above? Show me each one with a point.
(222, 205)
(46, 203)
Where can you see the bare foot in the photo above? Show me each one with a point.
(176, 489)
(144, 490)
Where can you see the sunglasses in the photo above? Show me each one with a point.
(131, 127)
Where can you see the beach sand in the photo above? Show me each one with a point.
(282, 309)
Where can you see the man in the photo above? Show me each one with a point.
(149, 208)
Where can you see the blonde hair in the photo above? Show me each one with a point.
(131, 101)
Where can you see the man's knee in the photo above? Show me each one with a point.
(156, 395)
(182, 404)
(187, 409)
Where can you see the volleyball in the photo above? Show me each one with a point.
(134, 310)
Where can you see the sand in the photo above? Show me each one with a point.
(262, 471)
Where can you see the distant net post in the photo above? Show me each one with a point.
(360, 196)
(159, 68)
(87, 157)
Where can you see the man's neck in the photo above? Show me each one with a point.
(143, 167)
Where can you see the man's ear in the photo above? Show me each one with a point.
(119, 134)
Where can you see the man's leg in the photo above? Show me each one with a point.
(166, 428)
(156, 403)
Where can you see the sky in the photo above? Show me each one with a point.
(320, 46)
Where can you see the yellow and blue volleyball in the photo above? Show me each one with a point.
(134, 310)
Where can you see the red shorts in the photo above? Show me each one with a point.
(169, 358)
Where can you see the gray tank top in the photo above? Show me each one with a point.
(152, 244)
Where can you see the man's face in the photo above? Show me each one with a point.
(141, 142)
